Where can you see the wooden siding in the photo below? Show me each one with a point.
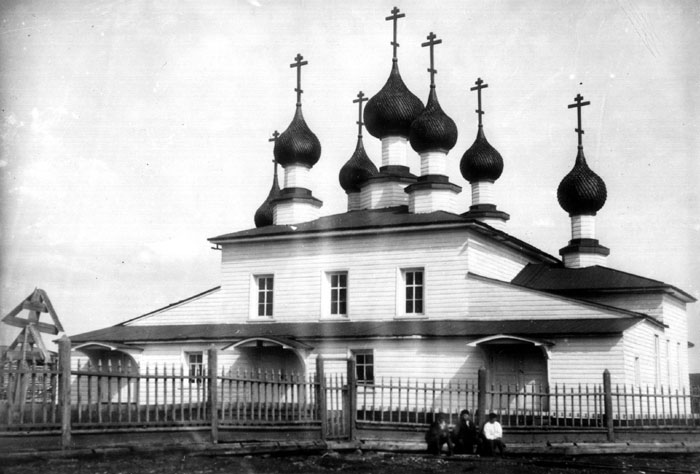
(373, 264)
(491, 259)
(583, 360)
(497, 301)
(207, 309)
(639, 343)
(650, 304)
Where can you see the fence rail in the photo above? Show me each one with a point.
(50, 397)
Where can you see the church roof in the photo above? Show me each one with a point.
(594, 279)
(361, 329)
(381, 219)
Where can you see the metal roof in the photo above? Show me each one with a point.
(386, 219)
(359, 329)
(594, 279)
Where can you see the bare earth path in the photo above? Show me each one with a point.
(385, 463)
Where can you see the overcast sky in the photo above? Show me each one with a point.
(134, 130)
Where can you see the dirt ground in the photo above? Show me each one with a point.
(357, 462)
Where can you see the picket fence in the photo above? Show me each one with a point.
(36, 397)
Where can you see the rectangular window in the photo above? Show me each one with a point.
(195, 364)
(265, 294)
(364, 366)
(413, 281)
(339, 293)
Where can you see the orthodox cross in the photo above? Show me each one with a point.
(275, 134)
(360, 98)
(395, 16)
(298, 64)
(431, 42)
(479, 85)
(579, 103)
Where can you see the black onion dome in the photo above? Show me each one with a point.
(433, 129)
(481, 162)
(392, 110)
(581, 191)
(297, 144)
(357, 169)
(264, 214)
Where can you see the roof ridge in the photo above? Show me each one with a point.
(171, 305)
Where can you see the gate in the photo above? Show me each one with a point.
(337, 403)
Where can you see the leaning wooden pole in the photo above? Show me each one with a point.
(352, 397)
(321, 396)
(482, 416)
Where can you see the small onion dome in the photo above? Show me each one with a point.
(297, 144)
(581, 191)
(433, 129)
(357, 170)
(264, 214)
(392, 110)
(481, 162)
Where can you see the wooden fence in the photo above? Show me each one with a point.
(38, 397)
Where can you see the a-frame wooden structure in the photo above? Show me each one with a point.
(29, 345)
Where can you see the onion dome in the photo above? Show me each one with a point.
(298, 144)
(581, 192)
(433, 129)
(264, 214)
(392, 110)
(358, 169)
(481, 162)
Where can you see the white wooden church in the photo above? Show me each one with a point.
(412, 281)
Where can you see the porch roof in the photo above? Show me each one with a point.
(359, 329)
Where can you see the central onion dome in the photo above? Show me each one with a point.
(297, 144)
(264, 214)
(481, 162)
(358, 169)
(392, 110)
(581, 192)
(433, 129)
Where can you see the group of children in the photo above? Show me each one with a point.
(464, 437)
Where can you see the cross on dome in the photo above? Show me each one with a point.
(479, 85)
(275, 134)
(360, 98)
(298, 64)
(431, 42)
(579, 103)
(395, 17)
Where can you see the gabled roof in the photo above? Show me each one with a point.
(360, 329)
(380, 220)
(589, 280)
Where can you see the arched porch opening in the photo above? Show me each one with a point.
(274, 358)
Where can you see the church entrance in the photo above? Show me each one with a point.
(518, 375)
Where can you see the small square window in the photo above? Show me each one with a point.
(364, 366)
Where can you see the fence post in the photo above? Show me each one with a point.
(352, 398)
(64, 394)
(321, 396)
(213, 394)
(481, 398)
(608, 403)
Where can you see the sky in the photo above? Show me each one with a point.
(134, 130)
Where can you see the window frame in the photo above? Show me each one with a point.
(197, 375)
(327, 290)
(255, 296)
(406, 299)
(361, 365)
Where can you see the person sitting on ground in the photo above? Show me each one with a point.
(438, 435)
(493, 436)
(464, 435)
